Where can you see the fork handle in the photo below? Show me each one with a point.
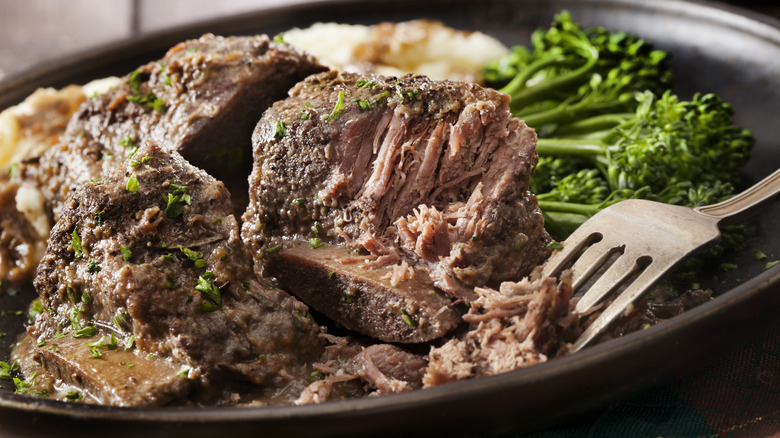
(745, 204)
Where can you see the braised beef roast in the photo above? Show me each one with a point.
(420, 175)
(149, 258)
(202, 99)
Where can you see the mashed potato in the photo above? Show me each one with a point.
(28, 129)
(419, 46)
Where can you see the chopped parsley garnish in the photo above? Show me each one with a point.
(380, 97)
(73, 396)
(75, 243)
(195, 256)
(36, 308)
(407, 318)
(86, 298)
(71, 294)
(93, 266)
(127, 254)
(336, 113)
(132, 184)
(475, 238)
(274, 249)
(303, 115)
(771, 264)
(316, 228)
(176, 200)
(99, 217)
(281, 129)
(95, 353)
(363, 104)
(7, 369)
(150, 100)
(130, 343)
(279, 39)
(555, 245)
(129, 144)
(315, 242)
(86, 332)
(300, 202)
(727, 267)
(364, 83)
(759, 255)
(145, 159)
(164, 73)
(12, 169)
(99, 343)
(217, 220)
(331, 274)
(246, 284)
(208, 288)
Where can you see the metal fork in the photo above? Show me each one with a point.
(645, 234)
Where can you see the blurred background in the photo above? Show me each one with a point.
(33, 31)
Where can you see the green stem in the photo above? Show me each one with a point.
(570, 146)
(544, 88)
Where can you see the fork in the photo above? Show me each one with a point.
(644, 240)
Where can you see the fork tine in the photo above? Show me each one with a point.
(651, 275)
(591, 260)
(625, 266)
(573, 244)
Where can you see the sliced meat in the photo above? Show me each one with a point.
(430, 173)
(522, 324)
(387, 368)
(110, 375)
(364, 299)
(202, 99)
(152, 251)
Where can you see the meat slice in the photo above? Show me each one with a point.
(152, 252)
(365, 299)
(201, 99)
(407, 170)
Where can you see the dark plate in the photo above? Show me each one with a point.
(715, 48)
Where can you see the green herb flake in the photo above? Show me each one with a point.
(129, 144)
(475, 238)
(316, 228)
(771, 264)
(195, 256)
(36, 308)
(330, 275)
(759, 255)
(73, 396)
(363, 104)
(727, 267)
(41, 344)
(281, 129)
(127, 254)
(407, 318)
(315, 242)
(12, 169)
(93, 266)
(208, 288)
(279, 39)
(99, 343)
(217, 220)
(86, 298)
(94, 353)
(336, 113)
(299, 202)
(145, 159)
(246, 284)
(275, 248)
(86, 332)
(132, 184)
(555, 245)
(99, 217)
(130, 343)
(176, 200)
(75, 243)
(7, 369)
(184, 372)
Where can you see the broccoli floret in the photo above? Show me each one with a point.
(673, 151)
(573, 73)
